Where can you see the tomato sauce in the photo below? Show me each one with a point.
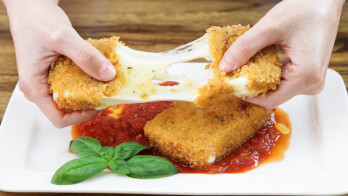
(283, 142)
(127, 126)
(168, 83)
(112, 127)
(245, 157)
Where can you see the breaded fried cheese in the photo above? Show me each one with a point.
(73, 89)
(259, 75)
(199, 136)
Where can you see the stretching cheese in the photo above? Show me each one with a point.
(72, 89)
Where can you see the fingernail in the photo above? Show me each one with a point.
(107, 71)
(227, 64)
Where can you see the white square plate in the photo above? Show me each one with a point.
(31, 149)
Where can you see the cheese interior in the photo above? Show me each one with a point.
(143, 68)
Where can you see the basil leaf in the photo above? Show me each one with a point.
(78, 170)
(107, 152)
(148, 166)
(119, 166)
(128, 149)
(86, 146)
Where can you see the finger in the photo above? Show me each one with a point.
(284, 60)
(59, 118)
(88, 58)
(289, 87)
(78, 117)
(246, 46)
(316, 89)
(284, 92)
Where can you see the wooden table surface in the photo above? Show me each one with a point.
(155, 25)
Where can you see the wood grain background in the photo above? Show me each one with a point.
(155, 25)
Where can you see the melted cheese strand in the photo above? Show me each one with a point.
(144, 67)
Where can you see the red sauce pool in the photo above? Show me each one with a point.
(129, 126)
(265, 146)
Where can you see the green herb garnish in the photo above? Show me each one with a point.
(122, 159)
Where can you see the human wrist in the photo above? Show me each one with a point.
(339, 7)
(13, 6)
(340, 2)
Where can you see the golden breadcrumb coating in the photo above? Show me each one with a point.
(199, 136)
(263, 70)
(73, 89)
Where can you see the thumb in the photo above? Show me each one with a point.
(88, 58)
(246, 46)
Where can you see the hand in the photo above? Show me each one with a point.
(305, 30)
(41, 32)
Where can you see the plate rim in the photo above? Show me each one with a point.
(70, 189)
